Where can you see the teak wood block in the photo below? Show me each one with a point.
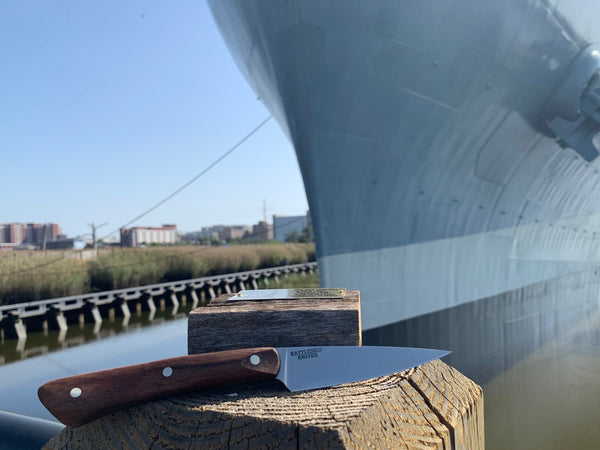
(231, 324)
(432, 406)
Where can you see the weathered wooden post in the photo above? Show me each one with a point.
(191, 292)
(56, 319)
(121, 302)
(431, 406)
(13, 327)
(92, 313)
(243, 320)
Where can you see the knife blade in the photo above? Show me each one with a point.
(78, 399)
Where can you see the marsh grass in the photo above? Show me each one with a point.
(30, 276)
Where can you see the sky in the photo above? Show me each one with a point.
(108, 107)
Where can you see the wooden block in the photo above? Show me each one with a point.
(432, 406)
(227, 324)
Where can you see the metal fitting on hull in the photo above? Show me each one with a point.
(573, 115)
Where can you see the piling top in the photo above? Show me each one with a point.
(284, 299)
(432, 406)
(231, 322)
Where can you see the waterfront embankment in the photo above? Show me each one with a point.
(30, 276)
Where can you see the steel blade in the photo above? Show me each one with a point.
(317, 367)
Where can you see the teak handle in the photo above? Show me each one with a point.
(78, 399)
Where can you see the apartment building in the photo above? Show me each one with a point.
(28, 233)
(136, 236)
(234, 232)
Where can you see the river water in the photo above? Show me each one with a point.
(549, 400)
(44, 357)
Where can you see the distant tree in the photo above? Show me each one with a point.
(299, 237)
(206, 240)
(249, 239)
(293, 236)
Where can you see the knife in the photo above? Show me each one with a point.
(78, 399)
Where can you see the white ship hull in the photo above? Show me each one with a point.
(434, 184)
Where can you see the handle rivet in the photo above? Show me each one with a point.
(167, 372)
(255, 360)
(75, 392)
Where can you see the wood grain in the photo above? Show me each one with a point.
(101, 392)
(225, 324)
(433, 406)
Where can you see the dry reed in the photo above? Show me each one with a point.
(29, 276)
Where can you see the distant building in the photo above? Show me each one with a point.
(284, 225)
(30, 233)
(212, 232)
(136, 236)
(111, 241)
(262, 230)
(15, 233)
(65, 243)
(233, 232)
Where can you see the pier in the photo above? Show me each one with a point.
(57, 313)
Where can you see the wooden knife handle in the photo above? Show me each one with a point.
(78, 399)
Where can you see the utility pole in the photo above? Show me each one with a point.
(94, 228)
(268, 228)
(265, 210)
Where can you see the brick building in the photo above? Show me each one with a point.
(233, 232)
(262, 230)
(28, 233)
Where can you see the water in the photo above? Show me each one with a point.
(548, 400)
(38, 344)
(82, 349)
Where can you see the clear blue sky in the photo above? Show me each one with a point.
(107, 107)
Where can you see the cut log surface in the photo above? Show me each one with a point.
(300, 322)
(432, 406)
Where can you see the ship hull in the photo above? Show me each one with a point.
(492, 334)
(434, 187)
